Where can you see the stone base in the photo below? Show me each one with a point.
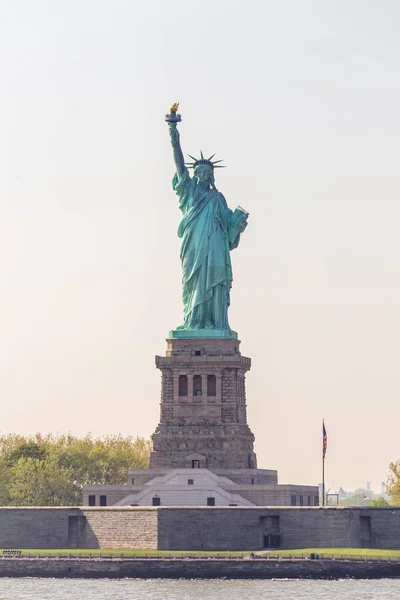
(196, 487)
(203, 421)
(182, 447)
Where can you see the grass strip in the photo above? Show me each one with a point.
(124, 552)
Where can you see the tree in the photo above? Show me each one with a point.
(28, 449)
(37, 482)
(4, 483)
(51, 470)
(393, 483)
(102, 460)
(358, 498)
(380, 502)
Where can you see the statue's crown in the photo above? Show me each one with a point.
(204, 161)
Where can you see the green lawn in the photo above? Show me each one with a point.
(337, 552)
(106, 552)
(128, 552)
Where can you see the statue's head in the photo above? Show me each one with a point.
(204, 174)
(204, 169)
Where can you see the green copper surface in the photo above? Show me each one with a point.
(209, 231)
(202, 333)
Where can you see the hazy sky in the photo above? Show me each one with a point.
(301, 99)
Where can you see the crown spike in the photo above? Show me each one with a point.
(203, 161)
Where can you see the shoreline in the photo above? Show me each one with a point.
(212, 568)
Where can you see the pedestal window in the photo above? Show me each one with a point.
(183, 385)
(197, 387)
(211, 385)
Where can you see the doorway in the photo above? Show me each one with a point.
(271, 541)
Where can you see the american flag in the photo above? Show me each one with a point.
(324, 441)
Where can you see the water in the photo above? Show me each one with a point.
(168, 589)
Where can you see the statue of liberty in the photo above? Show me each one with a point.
(209, 231)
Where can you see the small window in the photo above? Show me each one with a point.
(301, 500)
(183, 385)
(190, 481)
(309, 501)
(133, 481)
(210, 501)
(197, 389)
(195, 464)
(316, 500)
(293, 500)
(134, 505)
(156, 501)
(92, 500)
(252, 481)
(211, 385)
(103, 500)
(197, 352)
(262, 519)
(233, 505)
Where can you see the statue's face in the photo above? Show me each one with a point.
(204, 174)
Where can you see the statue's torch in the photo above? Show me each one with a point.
(172, 116)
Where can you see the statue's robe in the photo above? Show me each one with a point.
(208, 234)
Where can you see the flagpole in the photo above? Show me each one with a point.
(323, 481)
(323, 465)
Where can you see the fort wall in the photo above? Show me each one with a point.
(194, 528)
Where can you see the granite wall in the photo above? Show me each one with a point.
(198, 569)
(244, 528)
(191, 528)
(62, 527)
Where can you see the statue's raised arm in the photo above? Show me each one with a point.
(173, 119)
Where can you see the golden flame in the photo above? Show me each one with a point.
(174, 107)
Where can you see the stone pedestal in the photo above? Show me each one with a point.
(203, 420)
(202, 448)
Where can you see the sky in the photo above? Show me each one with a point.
(300, 98)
